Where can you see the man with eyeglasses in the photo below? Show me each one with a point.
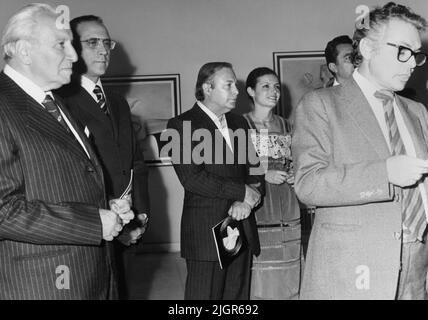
(361, 155)
(338, 55)
(105, 117)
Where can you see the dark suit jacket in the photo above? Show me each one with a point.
(210, 189)
(50, 193)
(113, 140)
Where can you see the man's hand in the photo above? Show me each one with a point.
(134, 231)
(111, 224)
(122, 207)
(252, 195)
(239, 210)
(405, 171)
(276, 176)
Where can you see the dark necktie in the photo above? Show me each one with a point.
(53, 109)
(414, 220)
(101, 100)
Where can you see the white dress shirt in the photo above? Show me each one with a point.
(220, 123)
(35, 92)
(376, 104)
(89, 86)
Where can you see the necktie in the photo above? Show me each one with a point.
(53, 109)
(414, 220)
(101, 99)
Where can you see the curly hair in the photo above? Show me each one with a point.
(378, 18)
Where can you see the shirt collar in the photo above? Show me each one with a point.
(212, 115)
(89, 85)
(32, 89)
(368, 87)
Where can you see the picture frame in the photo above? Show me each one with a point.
(299, 72)
(153, 100)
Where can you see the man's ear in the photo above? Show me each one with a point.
(207, 88)
(332, 67)
(23, 51)
(367, 48)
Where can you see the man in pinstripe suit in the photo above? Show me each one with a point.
(52, 221)
(215, 189)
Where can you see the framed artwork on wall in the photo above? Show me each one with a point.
(153, 100)
(299, 72)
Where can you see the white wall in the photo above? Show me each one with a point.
(178, 36)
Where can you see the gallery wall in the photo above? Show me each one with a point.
(178, 36)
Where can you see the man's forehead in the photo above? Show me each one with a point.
(225, 74)
(402, 33)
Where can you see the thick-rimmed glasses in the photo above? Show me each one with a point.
(93, 43)
(404, 54)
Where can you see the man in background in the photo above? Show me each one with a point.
(105, 115)
(338, 55)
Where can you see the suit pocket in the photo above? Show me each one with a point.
(340, 227)
(42, 255)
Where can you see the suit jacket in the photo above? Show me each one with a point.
(114, 142)
(210, 188)
(50, 193)
(340, 153)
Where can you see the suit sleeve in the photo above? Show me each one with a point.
(197, 180)
(319, 180)
(37, 221)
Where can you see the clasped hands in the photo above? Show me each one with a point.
(113, 220)
(405, 171)
(241, 210)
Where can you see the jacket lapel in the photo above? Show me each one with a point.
(357, 106)
(114, 113)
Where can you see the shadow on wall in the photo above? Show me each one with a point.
(416, 88)
(120, 64)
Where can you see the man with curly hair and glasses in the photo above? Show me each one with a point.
(361, 158)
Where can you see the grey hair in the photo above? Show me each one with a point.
(21, 26)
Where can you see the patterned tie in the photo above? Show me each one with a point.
(53, 109)
(101, 99)
(413, 211)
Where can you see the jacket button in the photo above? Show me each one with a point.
(397, 235)
(90, 169)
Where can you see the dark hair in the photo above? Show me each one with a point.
(206, 74)
(254, 75)
(80, 66)
(380, 16)
(331, 52)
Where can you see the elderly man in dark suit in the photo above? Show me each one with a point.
(53, 220)
(361, 158)
(106, 116)
(217, 187)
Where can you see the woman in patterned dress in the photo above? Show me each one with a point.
(276, 271)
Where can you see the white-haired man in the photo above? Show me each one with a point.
(52, 221)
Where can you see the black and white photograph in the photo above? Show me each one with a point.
(132, 131)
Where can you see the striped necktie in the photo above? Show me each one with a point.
(53, 109)
(414, 221)
(101, 99)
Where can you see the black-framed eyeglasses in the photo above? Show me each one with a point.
(404, 54)
(93, 43)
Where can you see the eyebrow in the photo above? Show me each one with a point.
(406, 44)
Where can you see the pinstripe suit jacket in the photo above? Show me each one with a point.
(50, 192)
(210, 189)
